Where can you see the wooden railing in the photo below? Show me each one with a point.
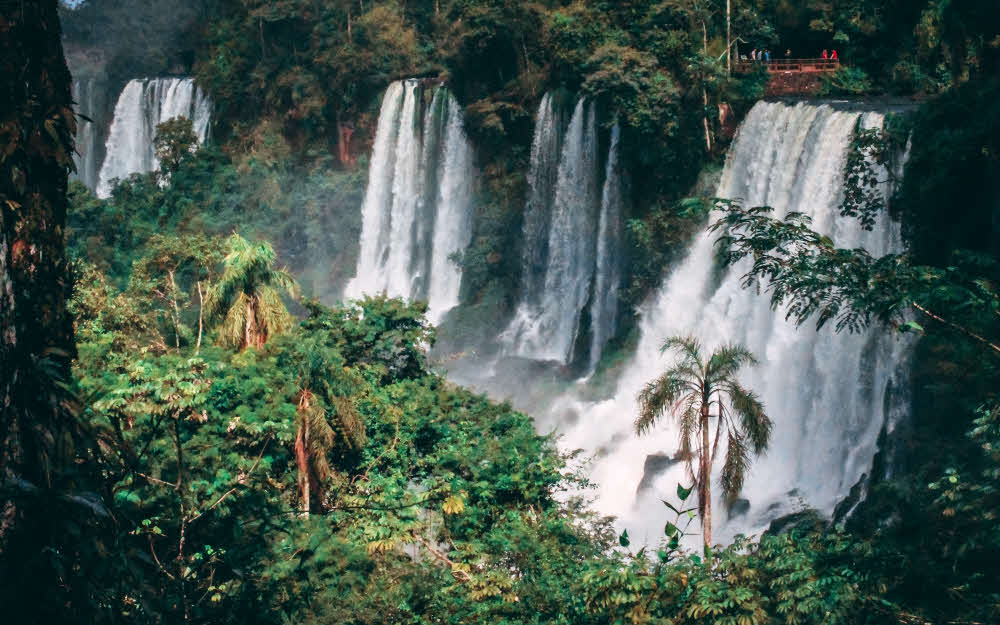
(788, 65)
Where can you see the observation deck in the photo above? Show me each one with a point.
(788, 65)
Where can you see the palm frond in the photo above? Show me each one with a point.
(752, 420)
(727, 361)
(234, 324)
(248, 293)
(659, 396)
(688, 427)
(736, 465)
(349, 422)
(689, 348)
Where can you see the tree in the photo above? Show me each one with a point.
(44, 533)
(326, 417)
(689, 391)
(248, 295)
(175, 141)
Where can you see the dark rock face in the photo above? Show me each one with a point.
(655, 465)
(737, 508)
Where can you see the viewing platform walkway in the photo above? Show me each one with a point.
(802, 66)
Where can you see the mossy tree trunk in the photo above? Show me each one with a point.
(37, 127)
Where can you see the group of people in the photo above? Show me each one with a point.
(763, 55)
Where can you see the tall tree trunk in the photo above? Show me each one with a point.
(704, 92)
(729, 37)
(201, 312)
(302, 453)
(37, 126)
(345, 130)
(705, 484)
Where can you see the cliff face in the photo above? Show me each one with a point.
(794, 84)
(93, 101)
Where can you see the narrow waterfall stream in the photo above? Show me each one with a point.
(572, 239)
(141, 106)
(89, 98)
(607, 275)
(828, 394)
(418, 206)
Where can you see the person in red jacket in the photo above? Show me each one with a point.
(833, 55)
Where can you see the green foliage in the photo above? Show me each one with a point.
(846, 80)
(201, 463)
(247, 296)
(175, 141)
(796, 578)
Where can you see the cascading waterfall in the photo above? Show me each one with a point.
(141, 106)
(546, 327)
(453, 227)
(546, 148)
(604, 301)
(828, 394)
(417, 211)
(88, 97)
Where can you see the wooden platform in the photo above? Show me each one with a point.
(788, 65)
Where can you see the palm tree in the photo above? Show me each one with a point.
(248, 295)
(327, 418)
(317, 432)
(691, 391)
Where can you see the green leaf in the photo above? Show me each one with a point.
(670, 505)
(670, 529)
(623, 539)
(682, 492)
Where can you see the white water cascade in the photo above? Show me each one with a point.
(604, 301)
(417, 211)
(560, 265)
(89, 100)
(141, 106)
(828, 394)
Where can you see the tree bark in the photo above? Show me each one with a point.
(201, 310)
(704, 92)
(705, 487)
(729, 37)
(302, 453)
(37, 126)
(345, 130)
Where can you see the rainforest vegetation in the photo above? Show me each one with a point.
(192, 430)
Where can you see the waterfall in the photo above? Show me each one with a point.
(546, 146)
(604, 302)
(546, 328)
(141, 106)
(453, 225)
(417, 211)
(89, 98)
(828, 394)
